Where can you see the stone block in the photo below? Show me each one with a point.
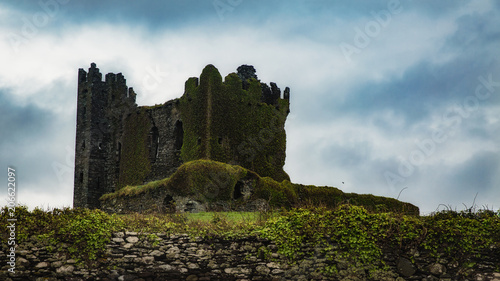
(405, 267)
(132, 239)
(437, 269)
(65, 270)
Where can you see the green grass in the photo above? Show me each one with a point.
(229, 216)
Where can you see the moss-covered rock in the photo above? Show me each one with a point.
(208, 181)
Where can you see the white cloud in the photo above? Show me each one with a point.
(156, 63)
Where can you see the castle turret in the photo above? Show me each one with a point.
(100, 108)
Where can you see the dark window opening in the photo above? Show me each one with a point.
(220, 140)
(190, 207)
(153, 140)
(169, 204)
(99, 145)
(83, 145)
(178, 135)
(237, 190)
(199, 141)
(119, 152)
(81, 177)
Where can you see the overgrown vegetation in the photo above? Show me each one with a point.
(135, 164)
(347, 234)
(209, 181)
(252, 134)
(85, 231)
(352, 235)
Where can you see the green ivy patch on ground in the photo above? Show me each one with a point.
(352, 235)
(86, 232)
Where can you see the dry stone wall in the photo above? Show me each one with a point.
(141, 257)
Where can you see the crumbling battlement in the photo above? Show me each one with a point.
(237, 121)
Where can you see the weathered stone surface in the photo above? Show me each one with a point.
(234, 259)
(65, 270)
(109, 155)
(262, 269)
(437, 269)
(156, 253)
(42, 265)
(132, 239)
(405, 267)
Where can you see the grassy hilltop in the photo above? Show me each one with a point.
(212, 181)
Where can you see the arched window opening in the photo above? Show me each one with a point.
(237, 194)
(169, 204)
(178, 135)
(119, 152)
(153, 141)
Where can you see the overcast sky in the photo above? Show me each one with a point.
(384, 94)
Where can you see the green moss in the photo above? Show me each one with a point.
(209, 181)
(134, 162)
(355, 237)
(453, 234)
(225, 123)
(84, 231)
(278, 194)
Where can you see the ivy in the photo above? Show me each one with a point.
(84, 231)
(352, 235)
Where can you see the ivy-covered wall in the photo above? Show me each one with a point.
(345, 243)
(235, 121)
(135, 164)
(229, 124)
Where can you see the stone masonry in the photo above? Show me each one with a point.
(143, 257)
(119, 143)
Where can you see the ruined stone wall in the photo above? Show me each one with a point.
(165, 140)
(142, 257)
(234, 122)
(101, 107)
(238, 121)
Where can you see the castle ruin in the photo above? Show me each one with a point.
(237, 121)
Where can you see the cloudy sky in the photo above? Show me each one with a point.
(385, 95)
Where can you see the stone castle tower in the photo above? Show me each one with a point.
(237, 121)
